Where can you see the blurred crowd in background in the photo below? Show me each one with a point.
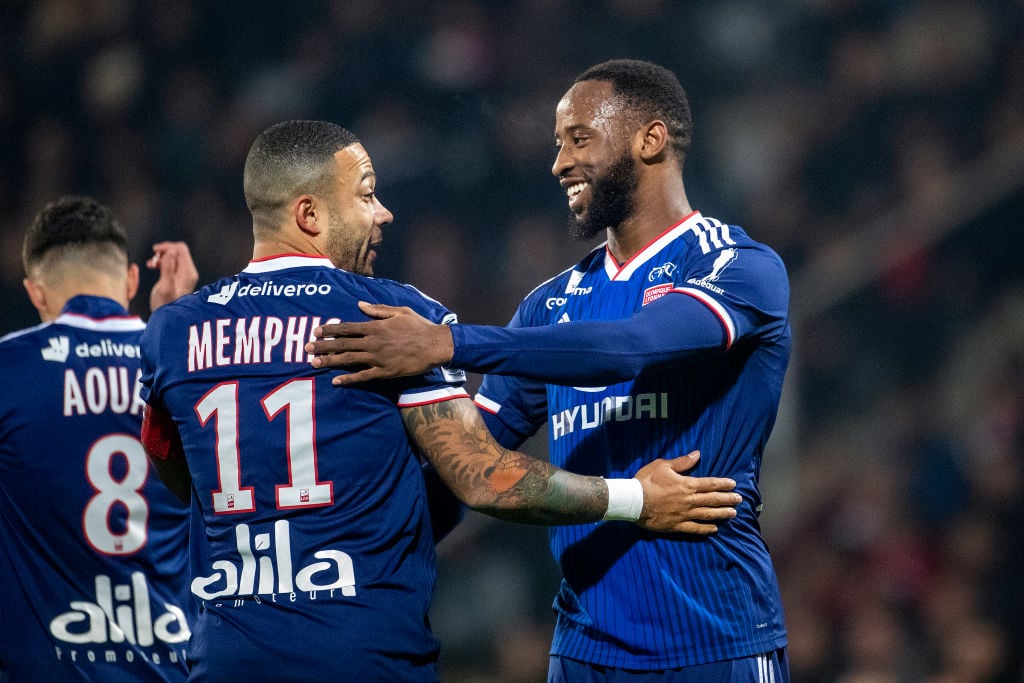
(877, 145)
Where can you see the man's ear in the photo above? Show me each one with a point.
(652, 139)
(132, 281)
(308, 215)
(37, 295)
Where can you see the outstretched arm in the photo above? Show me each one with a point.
(516, 487)
(178, 274)
(401, 342)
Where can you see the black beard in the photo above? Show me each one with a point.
(611, 200)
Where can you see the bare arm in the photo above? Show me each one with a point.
(516, 487)
(162, 442)
(178, 274)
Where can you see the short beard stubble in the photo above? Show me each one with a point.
(611, 200)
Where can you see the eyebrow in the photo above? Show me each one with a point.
(574, 128)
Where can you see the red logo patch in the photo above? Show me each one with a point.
(652, 293)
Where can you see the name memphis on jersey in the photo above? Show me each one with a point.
(254, 340)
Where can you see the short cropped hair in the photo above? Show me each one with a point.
(650, 92)
(78, 229)
(288, 159)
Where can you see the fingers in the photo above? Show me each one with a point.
(684, 462)
(696, 528)
(382, 311)
(357, 377)
(342, 359)
(162, 251)
(174, 260)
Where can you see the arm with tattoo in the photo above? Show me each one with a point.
(495, 480)
(513, 486)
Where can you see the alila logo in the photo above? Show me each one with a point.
(265, 567)
(121, 613)
(58, 349)
(268, 288)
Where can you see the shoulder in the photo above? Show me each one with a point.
(17, 338)
(393, 293)
(718, 242)
(560, 282)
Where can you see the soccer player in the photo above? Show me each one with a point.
(311, 549)
(93, 547)
(672, 335)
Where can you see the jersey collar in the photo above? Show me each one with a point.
(283, 261)
(623, 273)
(98, 313)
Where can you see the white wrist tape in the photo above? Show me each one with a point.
(625, 499)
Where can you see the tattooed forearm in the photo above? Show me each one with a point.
(495, 480)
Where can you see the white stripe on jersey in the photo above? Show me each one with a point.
(716, 308)
(281, 262)
(411, 399)
(710, 232)
(487, 404)
(118, 324)
(623, 274)
(765, 670)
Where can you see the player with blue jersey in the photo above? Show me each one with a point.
(93, 560)
(311, 548)
(673, 334)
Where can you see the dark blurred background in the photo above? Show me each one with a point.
(877, 145)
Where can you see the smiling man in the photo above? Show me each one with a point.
(311, 549)
(673, 334)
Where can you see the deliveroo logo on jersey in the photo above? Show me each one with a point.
(268, 288)
(224, 295)
(58, 349)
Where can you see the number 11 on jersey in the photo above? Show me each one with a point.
(294, 398)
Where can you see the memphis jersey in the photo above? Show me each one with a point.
(631, 598)
(92, 584)
(311, 551)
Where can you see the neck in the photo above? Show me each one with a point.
(657, 207)
(276, 247)
(57, 297)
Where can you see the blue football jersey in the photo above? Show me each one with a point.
(631, 598)
(94, 546)
(311, 548)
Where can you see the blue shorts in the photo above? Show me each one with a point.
(769, 667)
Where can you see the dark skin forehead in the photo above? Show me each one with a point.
(590, 105)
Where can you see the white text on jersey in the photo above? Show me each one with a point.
(272, 572)
(648, 406)
(120, 613)
(255, 340)
(102, 389)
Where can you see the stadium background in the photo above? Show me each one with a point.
(877, 145)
